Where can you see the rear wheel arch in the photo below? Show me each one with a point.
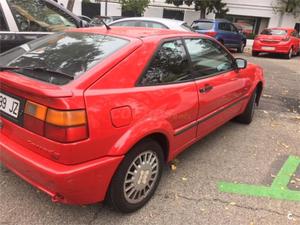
(161, 139)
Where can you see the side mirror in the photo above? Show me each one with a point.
(240, 63)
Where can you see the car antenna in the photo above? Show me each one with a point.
(107, 27)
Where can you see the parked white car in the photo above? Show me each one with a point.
(152, 22)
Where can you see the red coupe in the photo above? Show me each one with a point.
(277, 40)
(93, 114)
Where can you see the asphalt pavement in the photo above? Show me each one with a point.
(191, 193)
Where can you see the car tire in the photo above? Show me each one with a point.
(247, 116)
(289, 55)
(241, 48)
(255, 53)
(137, 177)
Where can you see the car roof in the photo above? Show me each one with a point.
(154, 19)
(133, 32)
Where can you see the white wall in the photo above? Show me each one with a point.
(77, 6)
(154, 12)
(113, 9)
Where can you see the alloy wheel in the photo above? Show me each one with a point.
(141, 176)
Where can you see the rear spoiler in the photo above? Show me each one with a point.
(10, 79)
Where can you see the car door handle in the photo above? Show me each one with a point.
(206, 88)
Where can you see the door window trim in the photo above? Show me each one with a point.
(161, 43)
(210, 75)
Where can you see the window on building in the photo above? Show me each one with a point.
(208, 57)
(173, 14)
(169, 65)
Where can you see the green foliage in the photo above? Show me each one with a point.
(288, 6)
(136, 6)
(204, 6)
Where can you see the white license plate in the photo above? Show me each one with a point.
(9, 105)
(268, 48)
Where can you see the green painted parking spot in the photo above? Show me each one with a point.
(278, 189)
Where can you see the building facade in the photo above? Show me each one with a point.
(253, 15)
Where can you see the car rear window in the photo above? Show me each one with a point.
(274, 32)
(187, 27)
(203, 25)
(69, 53)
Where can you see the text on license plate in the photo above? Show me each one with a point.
(267, 48)
(9, 105)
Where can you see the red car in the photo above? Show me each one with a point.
(277, 40)
(92, 114)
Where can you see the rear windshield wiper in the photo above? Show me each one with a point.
(42, 69)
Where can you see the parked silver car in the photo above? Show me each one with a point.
(152, 22)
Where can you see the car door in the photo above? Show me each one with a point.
(236, 36)
(168, 80)
(295, 41)
(221, 88)
(226, 34)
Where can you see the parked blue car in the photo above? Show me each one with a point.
(222, 30)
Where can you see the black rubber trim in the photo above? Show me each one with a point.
(196, 123)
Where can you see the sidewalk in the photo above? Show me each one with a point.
(248, 47)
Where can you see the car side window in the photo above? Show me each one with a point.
(224, 26)
(170, 64)
(3, 24)
(233, 28)
(208, 57)
(130, 23)
(155, 25)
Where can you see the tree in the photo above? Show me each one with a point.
(136, 7)
(287, 6)
(204, 6)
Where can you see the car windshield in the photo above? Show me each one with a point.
(274, 32)
(68, 53)
(38, 15)
(203, 25)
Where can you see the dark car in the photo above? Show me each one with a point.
(222, 30)
(22, 21)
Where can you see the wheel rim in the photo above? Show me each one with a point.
(141, 177)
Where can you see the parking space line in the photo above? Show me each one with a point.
(278, 189)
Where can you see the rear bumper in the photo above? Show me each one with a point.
(278, 48)
(72, 184)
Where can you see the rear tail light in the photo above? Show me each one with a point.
(211, 33)
(61, 126)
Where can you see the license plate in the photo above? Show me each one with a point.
(268, 48)
(9, 105)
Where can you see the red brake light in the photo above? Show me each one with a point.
(211, 33)
(65, 134)
(61, 126)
